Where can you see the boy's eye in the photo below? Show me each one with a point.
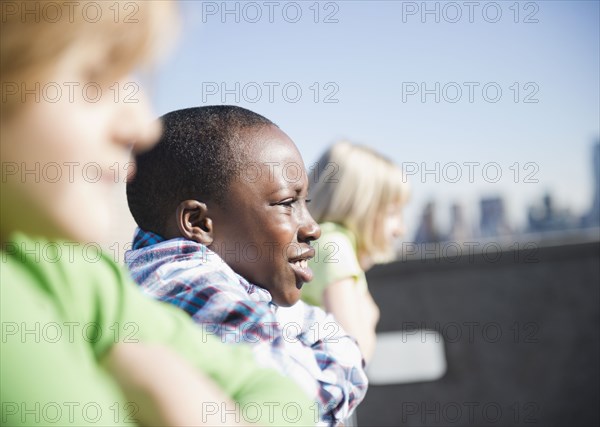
(288, 202)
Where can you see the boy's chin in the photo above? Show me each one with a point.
(287, 300)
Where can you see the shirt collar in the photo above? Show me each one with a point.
(145, 239)
(142, 238)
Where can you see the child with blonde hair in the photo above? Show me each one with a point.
(80, 344)
(357, 197)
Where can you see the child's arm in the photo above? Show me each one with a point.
(166, 389)
(356, 312)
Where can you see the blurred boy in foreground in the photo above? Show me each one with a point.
(80, 344)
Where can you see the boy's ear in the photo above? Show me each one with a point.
(193, 222)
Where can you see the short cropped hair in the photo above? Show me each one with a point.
(352, 185)
(199, 154)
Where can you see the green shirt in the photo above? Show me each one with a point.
(63, 308)
(335, 259)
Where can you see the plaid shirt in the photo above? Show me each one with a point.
(310, 347)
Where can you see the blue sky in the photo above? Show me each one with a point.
(373, 59)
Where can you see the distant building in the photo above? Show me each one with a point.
(460, 231)
(592, 218)
(427, 231)
(548, 218)
(493, 218)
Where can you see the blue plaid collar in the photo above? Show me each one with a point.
(142, 238)
(143, 259)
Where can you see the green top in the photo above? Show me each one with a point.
(62, 310)
(335, 259)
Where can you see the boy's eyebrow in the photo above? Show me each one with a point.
(278, 190)
(297, 189)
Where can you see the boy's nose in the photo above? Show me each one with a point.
(310, 230)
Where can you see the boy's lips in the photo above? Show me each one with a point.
(301, 269)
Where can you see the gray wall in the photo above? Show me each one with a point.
(542, 370)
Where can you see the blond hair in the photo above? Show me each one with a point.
(354, 186)
(34, 35)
